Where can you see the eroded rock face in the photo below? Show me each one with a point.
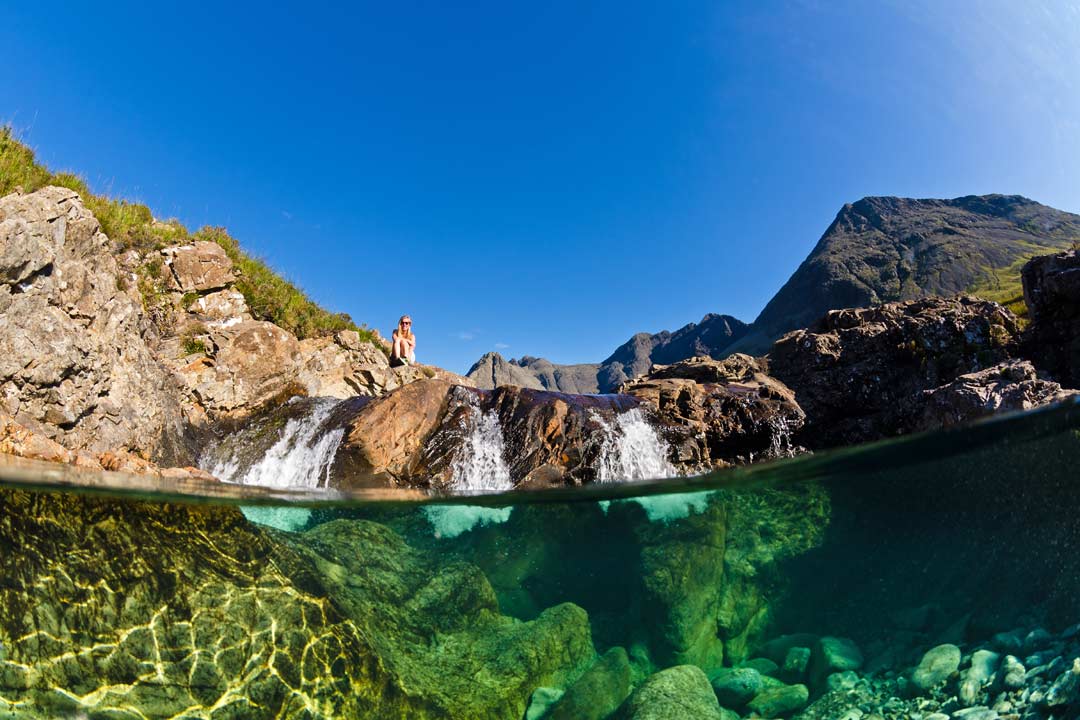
(1052, 294)
(131, 609)
(860, 374)
(73, 364)
(721, 411)
(1013, 385)
(198, 267)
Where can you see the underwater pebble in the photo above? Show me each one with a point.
(975, 713)
(977, 676)
(844, 681)
(1066, 689)
(937, 716)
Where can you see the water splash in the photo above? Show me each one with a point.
(632, 449)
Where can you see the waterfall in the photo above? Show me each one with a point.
(480, 465)
(632, 449)
(300, 459)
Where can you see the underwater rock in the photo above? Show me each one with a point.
(1011, 674)
(541, 701)
(859, 374)
(117, 609)
(734, 687)
(937, 665)
(677, 693)
(796, 664)
(972, 681)
(598, 692)
(779, 701)
(831, 655)
(721, 411)
(1052, 295)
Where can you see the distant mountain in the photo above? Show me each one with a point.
(881, 249)
(877, 250)
(709, 337)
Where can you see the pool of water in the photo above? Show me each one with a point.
(930, 574)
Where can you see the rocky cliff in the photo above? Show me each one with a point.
(144, 352)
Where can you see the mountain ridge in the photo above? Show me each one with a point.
(877, 249)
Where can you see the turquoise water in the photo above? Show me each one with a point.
(895, 580)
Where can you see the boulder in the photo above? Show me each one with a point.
(73, 363)
(1052, 295)
(734, 687)
(860, 374)
(677, 693)
(224, 307)
(831, 655)
(936, 667)
(779, 701)
(721, 411)
(198, 267)
(977, 676)
(1012, 385)
(597, 693)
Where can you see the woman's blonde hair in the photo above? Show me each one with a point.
(402, 332)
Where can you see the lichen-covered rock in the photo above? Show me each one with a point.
(721, 411)
(859, 374)
(73, 364)
(677, 693)
(1013, 385)
(1052, 295)
(598, 692)
(118, 609)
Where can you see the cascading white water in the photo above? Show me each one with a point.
(300, 459)
(480, 465)
(632, 450)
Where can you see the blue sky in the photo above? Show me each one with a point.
(545, 178)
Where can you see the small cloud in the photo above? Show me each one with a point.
(466, 335)
(286, 214)
(501, 346)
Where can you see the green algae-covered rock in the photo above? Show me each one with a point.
(597, 693)
(735, 687)
(128, 609)
(779, 701)
(678, 693)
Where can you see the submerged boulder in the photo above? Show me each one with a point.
(132, 609)
(677, 693)
(860, 374)
(721, 411)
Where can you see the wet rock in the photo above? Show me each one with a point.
(1013, 385)
(1037, 639)
(198, 267)
(833, 654)
(1052, 295)
(936, 667)
(765, 666)
(779, 701)
(541, 701)
(859, 374)
(721, 411)
(841, 681)
(796, 663)
(677, 693)
(975, 713)
(597, 693)
(735, 687)
(1008, 642)
(972, 681)
(1011, 674)
(1066, 688)
(777, 648)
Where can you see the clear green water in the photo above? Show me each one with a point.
(829, 576)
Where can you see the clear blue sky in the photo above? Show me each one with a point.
(545, 178)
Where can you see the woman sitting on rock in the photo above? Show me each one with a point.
(404, 344)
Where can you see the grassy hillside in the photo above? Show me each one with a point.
(131, 226)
